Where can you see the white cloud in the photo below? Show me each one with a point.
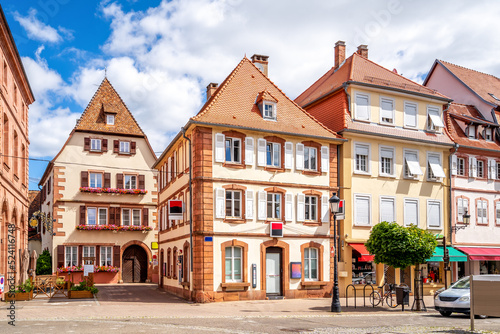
(39, 31)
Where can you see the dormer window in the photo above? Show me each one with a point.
(488, 134)
(471, 131)
(110, 119)
(269, 110)
(434, 121)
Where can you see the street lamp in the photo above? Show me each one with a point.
(466, 222)
(334, 209)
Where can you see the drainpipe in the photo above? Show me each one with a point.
(348, 97)
(190, 208)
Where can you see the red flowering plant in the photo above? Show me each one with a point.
(113, 191)
(70, 269)
(84, 227)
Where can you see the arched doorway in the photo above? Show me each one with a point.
(135, 265)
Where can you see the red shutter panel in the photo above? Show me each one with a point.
(80, 254)
(116, 256)
(119, 181)
(145, 217)
(107, 180)
(116, 146)
(82, 215)
(86, 144)
(132, 147)
(141, 182)
(97, 255)
(117, 216)
(84, 179)
(60, 256)
(104, 146)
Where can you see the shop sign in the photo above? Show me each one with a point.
(175, 209)
(276, 229)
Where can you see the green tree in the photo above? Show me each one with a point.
(400, 246)
(44, 263)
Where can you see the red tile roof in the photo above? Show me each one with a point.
(359, 69)
(234, 103)
(481, 83)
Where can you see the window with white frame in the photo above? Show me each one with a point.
(362, 210)
(131, 217)
(105, 258)
(387, 209)
(471, 131)
(273, 205)
(361, 158)
(412, 165)
(130, 181)
(95, 180)
(461, 166)
(233, 150)
(71, 256)
(88, 251)
(411, 211)
(386, 161)
(91, 216)
(269, 110)
(311, 208)
(310, 158)
(462, 207)
(102, 216)
(97, 216)
(433, 214)
(311, 264)
(233, 264)
(233, 204)
(124, 146)
(410, 115)
(434, 168)
(110, 119)
(434, 122)
(273, 154)
(498, 170)
(95, 144)
(480, 168)
(362, 107)
(386, 110)
(488, 134)
(482, 211)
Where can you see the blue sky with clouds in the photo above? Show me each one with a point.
(160, 55)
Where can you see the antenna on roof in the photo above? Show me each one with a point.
(105, 72)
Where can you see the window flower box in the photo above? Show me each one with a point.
(113, 191)
(113, 228)
(109, 269)
(19, 296)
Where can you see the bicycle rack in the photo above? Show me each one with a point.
(347, 296)
(364, 294)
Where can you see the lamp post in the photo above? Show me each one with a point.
(334, 209)
(466, 222)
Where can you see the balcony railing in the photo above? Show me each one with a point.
(113, 228)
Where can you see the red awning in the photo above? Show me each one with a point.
(481, 253)
(365, 255)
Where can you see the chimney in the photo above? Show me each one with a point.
(339, 53)
(261, 62)
(211, 88)
(363, 51)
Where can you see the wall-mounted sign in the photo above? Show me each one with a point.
(276, 229)
(154, 245)
(88, 268)
(175, 209)
(209, 239)
(2, 284)
(295, 270)
(254, 275)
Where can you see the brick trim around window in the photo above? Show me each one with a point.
(244, 260)
(320, 249)
(241, 136)
(487, 211)
(281, 141)
(243, 201)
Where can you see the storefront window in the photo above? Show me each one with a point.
(362, 272)
(489, 267)
(431, 274)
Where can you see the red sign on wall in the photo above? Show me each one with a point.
(276, 229)
(175, 209)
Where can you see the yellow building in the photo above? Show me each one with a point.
(394, 166)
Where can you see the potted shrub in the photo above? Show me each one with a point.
(82, 290)
(23, 291)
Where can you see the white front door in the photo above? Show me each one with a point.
(273, 273)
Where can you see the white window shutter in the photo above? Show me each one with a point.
(325, 159)
(497, 213)
(454, 165)
(301, 199)
(325, 210)
(249, 204)
(474, 167)
(299, 156)
(288, 206)
(169, 169)
(220, 209)
(262, 203)
(460, 209)
(249, 151)
(261, 152)
(219, 147)
(492, 169)
(288, 155)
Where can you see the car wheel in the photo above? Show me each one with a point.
(445, 313)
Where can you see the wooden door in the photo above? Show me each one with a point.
(135, 265)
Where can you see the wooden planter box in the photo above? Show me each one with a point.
(80, 294)
(19, 296)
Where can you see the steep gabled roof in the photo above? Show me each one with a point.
(235, 103)
(357, 69)
(107, 100)
(485, 85)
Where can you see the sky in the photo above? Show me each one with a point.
(161, 55)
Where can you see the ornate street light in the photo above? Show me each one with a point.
(334, 209)
(466, 222)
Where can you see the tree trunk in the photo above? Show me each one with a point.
(417, 297)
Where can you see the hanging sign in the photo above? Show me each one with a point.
(175, 209)
(276, 229)
(341, 214)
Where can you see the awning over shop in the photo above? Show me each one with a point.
(455, 255)
(365, 255)
(482, 253)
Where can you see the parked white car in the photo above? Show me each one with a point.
(454, 299)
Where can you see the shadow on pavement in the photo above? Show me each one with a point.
(135, 293)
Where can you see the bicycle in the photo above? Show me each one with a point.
(389, 295)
